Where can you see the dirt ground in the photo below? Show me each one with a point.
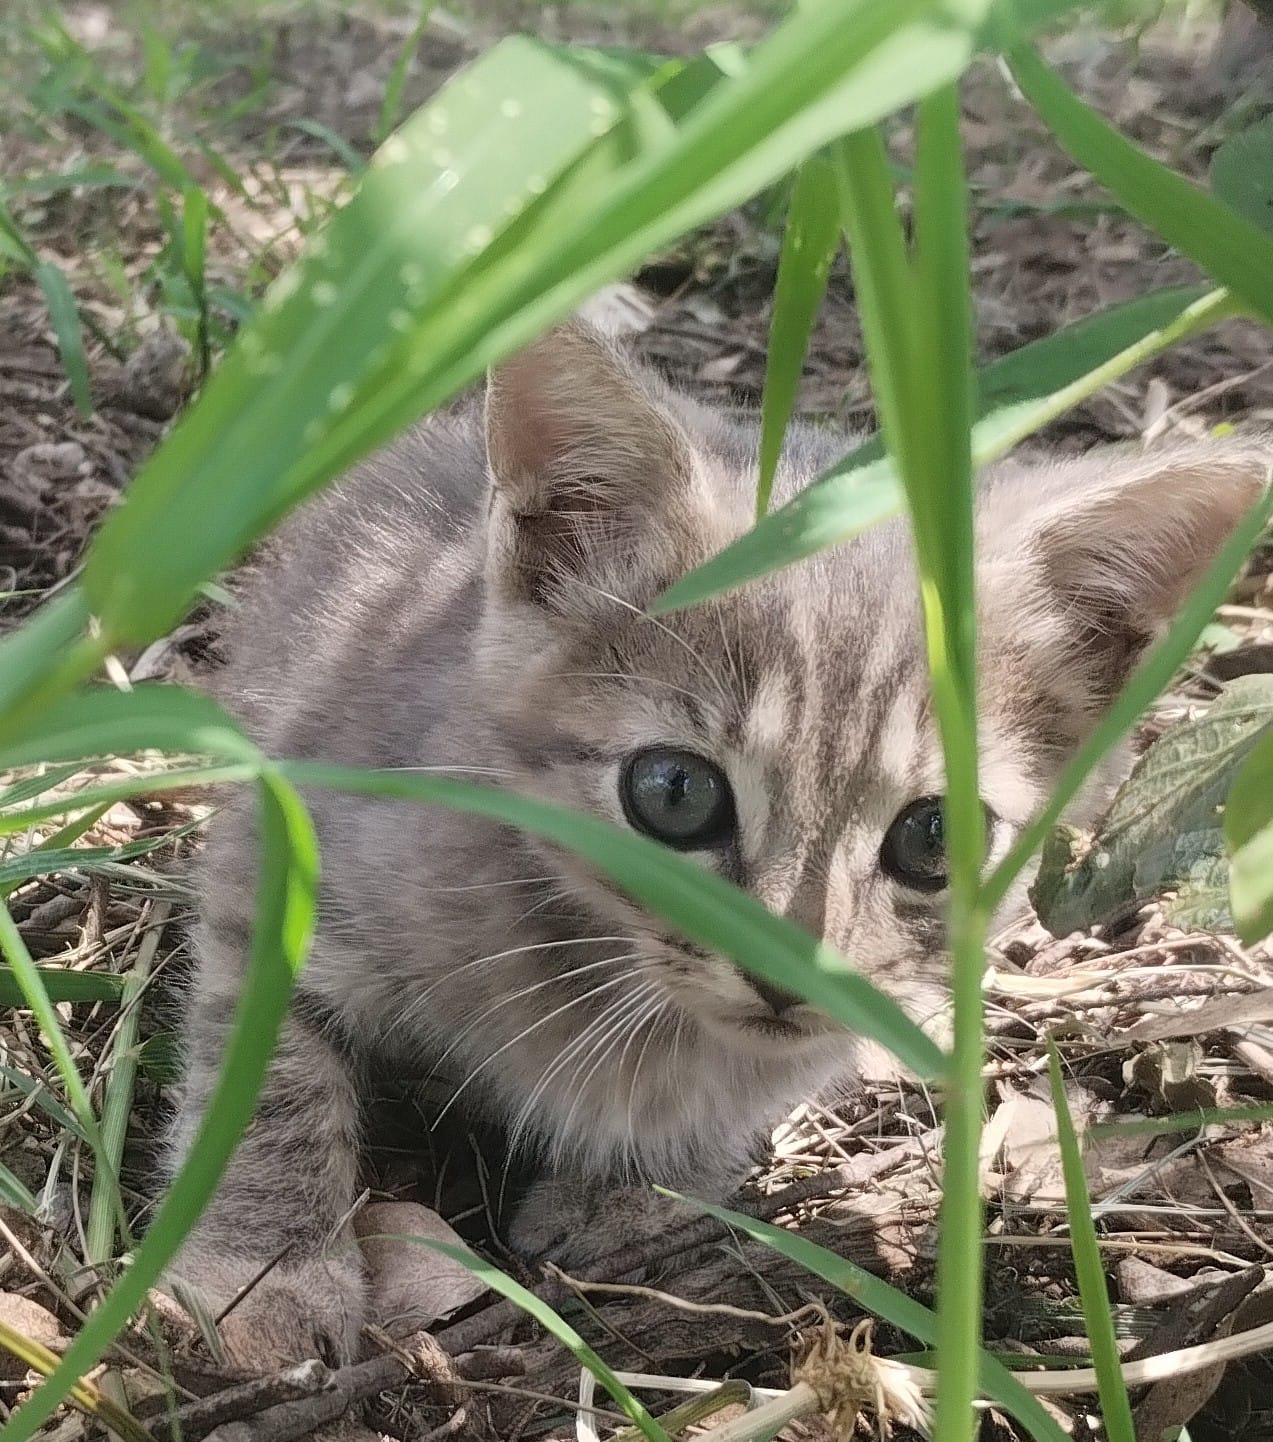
(1153, 1019)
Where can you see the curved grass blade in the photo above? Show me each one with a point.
(14, 1194)
(1228, 247)
(533, 1306)
(30, 983)
(704, 907)
(457, 251)
(1015, 396)
(144, 784)
(65, 316)
(809, 245)
(280, 941)
(885, 1300)
(1116, 1407)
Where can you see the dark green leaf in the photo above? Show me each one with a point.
(1163, 829)
(1242, 173)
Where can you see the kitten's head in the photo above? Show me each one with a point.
(783, 736)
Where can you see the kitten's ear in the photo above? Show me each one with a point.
(1100, 553)
(589, 471)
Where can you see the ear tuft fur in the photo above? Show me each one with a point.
(586, 463)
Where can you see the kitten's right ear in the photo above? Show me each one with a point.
(589, 471)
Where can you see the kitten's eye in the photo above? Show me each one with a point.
(914, 849)
(678, 798)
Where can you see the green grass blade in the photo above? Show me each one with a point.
(885, 1300)
(391, 102)
(446, 261)
(1015, 396)
(1116, 1407)
(280, 942)
(61, 984)
(45, 780)
(45, 1101)
(117, 1104)
(707, 908)
(1152, 676)
(144, 784)
(31, 984)
(809, 246)
(65, 316)
(100, 721)
(533, 1306)
(704, 907)
(1226, 246)
(13, 243)
(14, 1194)
(46, 656)
(939, 487)
(1248, 832)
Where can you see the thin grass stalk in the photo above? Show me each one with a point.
(945, 549)
(1116, 1407)
(104, 1218)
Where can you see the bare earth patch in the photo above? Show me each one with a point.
(1152, 1020)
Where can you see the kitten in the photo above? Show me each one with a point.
(470, 600)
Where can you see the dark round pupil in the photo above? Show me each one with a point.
(678, 798)
(914, 849)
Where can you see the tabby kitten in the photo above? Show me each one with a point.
(471, 600)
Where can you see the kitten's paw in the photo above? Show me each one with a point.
(313, 1308)
(574, 1224)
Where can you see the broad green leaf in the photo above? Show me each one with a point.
(1227, 246)
(703, 907)
(1116, 1409)
(1162, 830)
(467, 237)
(885, 1300)
(280, 941)
(809, 246)
(1248, 830)
(1014, 396)
(61, 984)
(1242, 173)
(555, 1326)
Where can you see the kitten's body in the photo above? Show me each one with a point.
(418, 619)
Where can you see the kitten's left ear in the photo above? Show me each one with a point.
(590, 472)
(1104, 550)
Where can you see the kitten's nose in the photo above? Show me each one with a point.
(775, 997)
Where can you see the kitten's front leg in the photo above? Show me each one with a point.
(287, 1190)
